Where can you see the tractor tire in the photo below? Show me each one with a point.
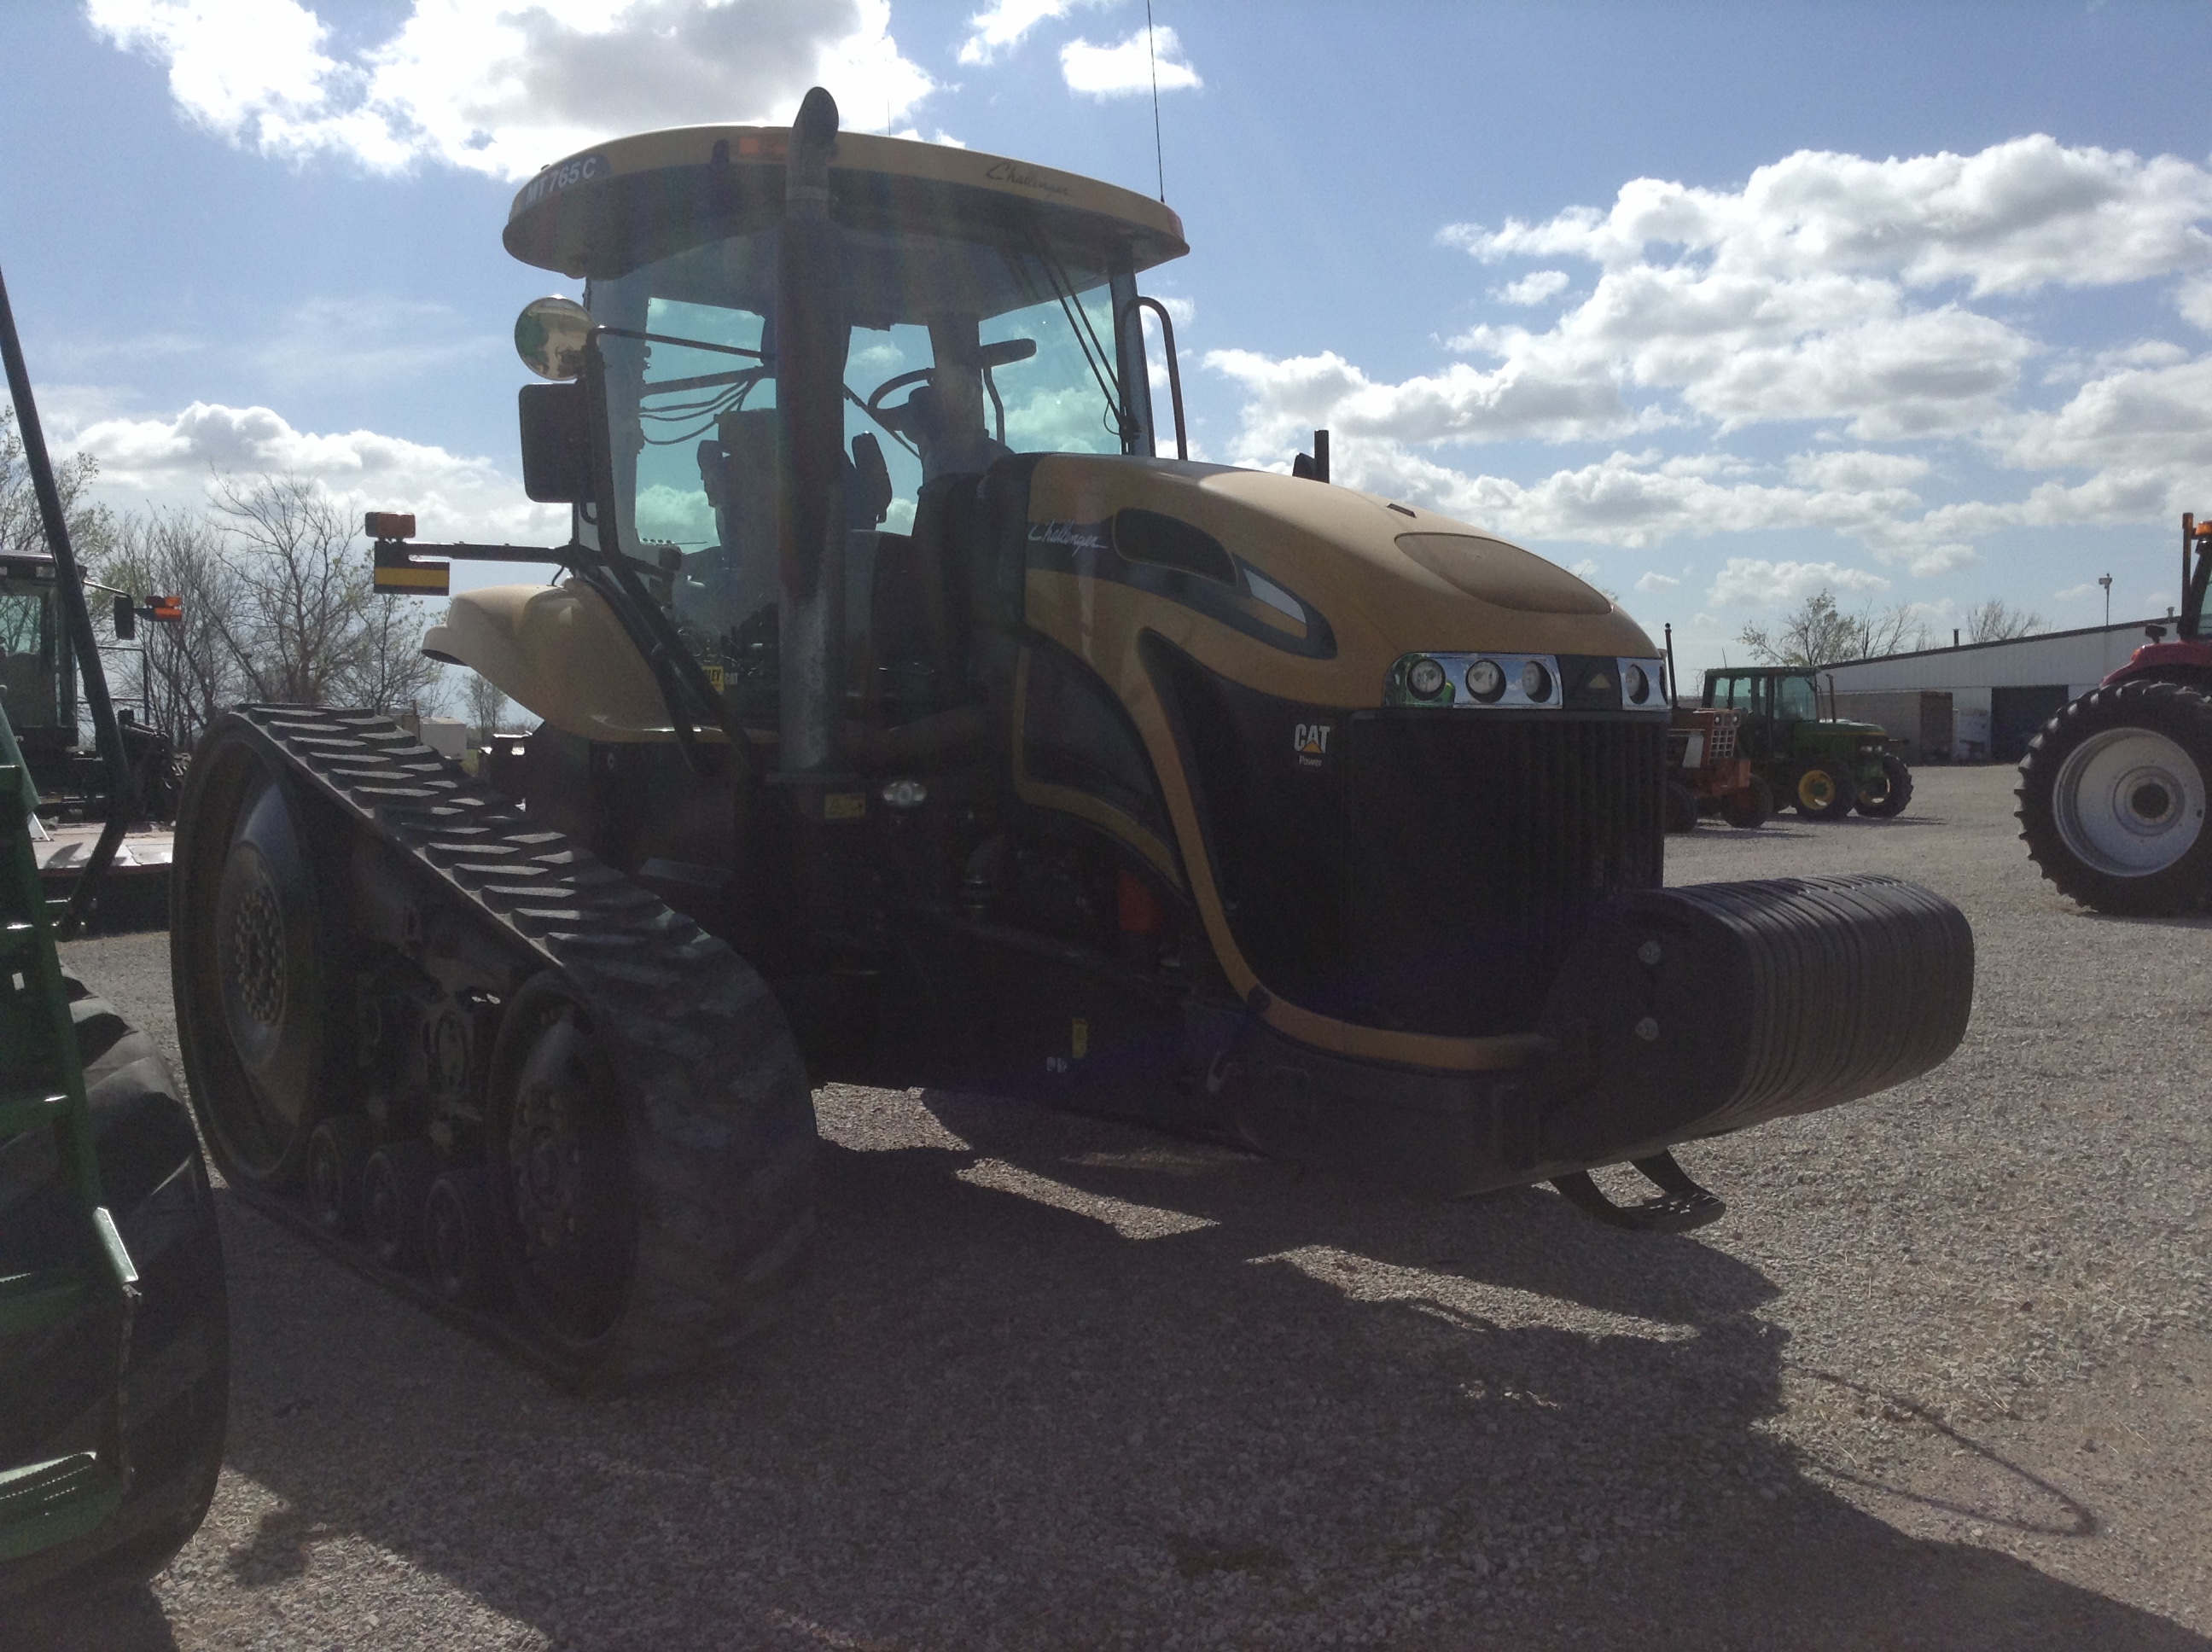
(1682, 807)
(1896, 790)
(176, 1378)
(1825, 792)
(2111, 800)
(1751, 808)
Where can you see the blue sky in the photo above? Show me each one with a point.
(1719, 304)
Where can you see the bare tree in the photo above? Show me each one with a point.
(1995, 621)
(308, 626)
(22, 529)
(1818, 633)
(184, 673)
(487, 705)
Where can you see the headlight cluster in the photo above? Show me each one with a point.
(1526, 681)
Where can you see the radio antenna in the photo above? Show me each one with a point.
(1152, 57)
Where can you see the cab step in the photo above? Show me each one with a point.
(45, 1504)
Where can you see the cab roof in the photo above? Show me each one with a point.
(606, 210)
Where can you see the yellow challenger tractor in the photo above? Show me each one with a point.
(910, 718)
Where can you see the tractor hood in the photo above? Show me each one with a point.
(1312, 589)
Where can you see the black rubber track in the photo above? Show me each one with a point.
(718, 1112)
(2181, 713)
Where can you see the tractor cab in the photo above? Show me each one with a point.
(970, 309)
(38, 675)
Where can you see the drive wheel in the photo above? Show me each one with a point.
(1825, 792)
(566, 1211)
(1682, 807)
(1887, 800)
(1751, 808)
(250, 956)
(2111, 800)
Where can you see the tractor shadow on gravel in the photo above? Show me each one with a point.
(1054, 1379)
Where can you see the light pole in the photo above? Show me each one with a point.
(2107, 583)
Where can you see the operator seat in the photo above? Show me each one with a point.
(919, 605)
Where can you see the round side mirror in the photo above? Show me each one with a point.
(549, 336)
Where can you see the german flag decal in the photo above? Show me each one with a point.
(415, 580)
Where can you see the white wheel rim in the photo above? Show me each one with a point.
(2129, 802)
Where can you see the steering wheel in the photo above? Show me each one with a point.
(875, 402)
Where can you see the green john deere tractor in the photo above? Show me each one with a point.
(1823, 765)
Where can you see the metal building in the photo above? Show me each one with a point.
(2000, 692)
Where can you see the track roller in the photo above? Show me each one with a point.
(394, 1184)
(337, 1152)
(457, 1242)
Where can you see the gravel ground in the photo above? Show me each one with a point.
(1941, 1377)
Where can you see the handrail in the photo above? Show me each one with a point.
(1145, 301)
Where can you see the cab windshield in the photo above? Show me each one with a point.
(958, 354)
(30, 656)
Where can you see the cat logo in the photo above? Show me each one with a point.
(1310, 742)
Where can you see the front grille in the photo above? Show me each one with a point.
(1414, 870)
(1478, 844)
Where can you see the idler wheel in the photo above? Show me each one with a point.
(253, 951)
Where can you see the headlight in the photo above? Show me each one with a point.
(1636, 684)
(1426, 678)
(1486, 681)
(1535, 681)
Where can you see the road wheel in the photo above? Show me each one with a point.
(251, 957)
(2111, 800)
(1751, 808)
(1887, 800)
(337, 1155)
(1682, 807)
(457, 1240)
(1825, 792)
(393, 1184)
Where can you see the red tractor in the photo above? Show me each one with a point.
(1707, 774)
(2112, 792)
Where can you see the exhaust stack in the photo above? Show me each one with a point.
(810, 338)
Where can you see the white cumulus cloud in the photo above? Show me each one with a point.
(2017, 216)
(1537, 287)
(1833, 309)
(505, 90)
(1106, 71)
(177, 460)
(1001, 26)
(1654, 582)
(1754, 582)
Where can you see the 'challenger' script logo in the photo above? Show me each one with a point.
(1075, 536)
(1012, 172)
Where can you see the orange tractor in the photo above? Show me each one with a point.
(1708, 774)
